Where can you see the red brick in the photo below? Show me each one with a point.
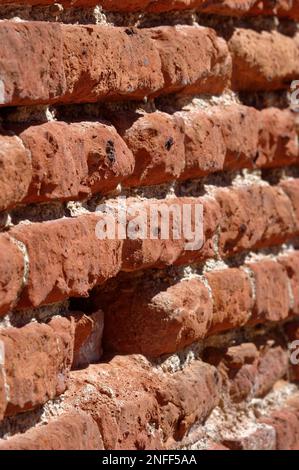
(15, 172)
(157, 143)
(73, 430)
(286, 424)
(291, 263)
(40, 45)
(257, 378)
(272, 302)
(37, 361)
(204, 145)
(73, 160)
(127, 399)
(66, 258)
(232, 298)
(11, 273)
(109, 63)
(240, 126)
(263, 60)
(291, 189)
(142, 253)
(154, 318)
(278, 141)
(253, 217)
(188, 397)
(194, 60)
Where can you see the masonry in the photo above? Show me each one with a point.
(142, 343)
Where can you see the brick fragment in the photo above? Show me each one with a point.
(15, 174)
(263, 60)
(73, 430)
(11, 273)
(66, 258)
(272, 301)
(36, 363)
(232, 299)
(175, 316)
(40, 45)
(194, 60)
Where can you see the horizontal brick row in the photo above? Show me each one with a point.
(61, 161)
(136, 407)
(249, 370)
(95, 62)
(36, 359)
(126, 404)
(283, 8)
(192, 309)
(92, 63)
(66, 257)
(72, 430)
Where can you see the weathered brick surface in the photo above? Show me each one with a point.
(272, 299)
(110, 63)
(263, 60)
(73, 160)
(66, 258)
(253, 216)
(11, 273)
(175, 316)
(15, 172)
(125, 395)
(194, 60)
(278, 141)
(157, 143)
(291, 188)
(73, 430)
(291, 263)
(36, 364)
(248, 370)
(232, 297)
(204, 145)
(25, 42)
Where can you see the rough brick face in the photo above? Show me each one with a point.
(44, 80)
(11, 273)
(15, 173)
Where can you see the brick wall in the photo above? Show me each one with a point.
(142, 343)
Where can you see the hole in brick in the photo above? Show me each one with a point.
(110, 151)
(169, 143)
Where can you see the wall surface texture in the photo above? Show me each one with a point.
(142, 343)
